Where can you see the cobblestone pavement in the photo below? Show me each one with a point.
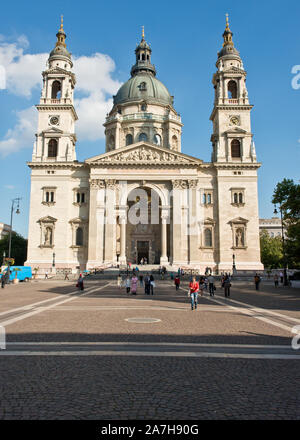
(73, 355)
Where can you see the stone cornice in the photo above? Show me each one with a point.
(62, 165)
(233, 107)
(57, 107)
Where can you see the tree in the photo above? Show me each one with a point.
(271, 251)
(18, 248)
(287, 196)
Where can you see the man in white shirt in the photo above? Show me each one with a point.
(211, 282)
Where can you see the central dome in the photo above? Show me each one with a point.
(143, 87)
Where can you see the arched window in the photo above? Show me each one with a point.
(56, 90)
(143, 137)
(204, 199)
(235, 148)
(232, 90)
(47, 197)
(78, 197)
(129, 139)
(174, 143)
(157, 139)
(235, 198)
(207, 237)
(52, 148)
(143, 86)
(143, 57)
(240, 197)
(79, 237)
(111, 142)
(209, 199)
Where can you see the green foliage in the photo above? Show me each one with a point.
(271, 251)
(18, 248)
(287, 196)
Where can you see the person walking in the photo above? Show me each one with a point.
(141, 280)
(66, 275)
(177, 282)
(127, 284)
(152, 284)
(3, 280)
(80, 283)
(201, 286)
(281, 277)
(211, 285)
(134, 282)
(194, 289)
(256, 281)
(147, 284)
(226, 285)
(119, 281)
(205, 283)
(46, 275)
(276, 280)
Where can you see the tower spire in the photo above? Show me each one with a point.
(227, 35)
(143, 33)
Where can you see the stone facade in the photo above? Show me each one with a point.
(144, 198)
(4, 230)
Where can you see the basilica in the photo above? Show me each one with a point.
(144, 199)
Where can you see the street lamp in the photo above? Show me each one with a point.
(233, 264)
(16, 200)
(285, 280)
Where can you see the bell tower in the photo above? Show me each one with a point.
(55, 139)
(232, 137)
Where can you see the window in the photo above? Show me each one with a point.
(56, 90)
(238, 196)
(174, 145)
(207, 198)
(207, 237)
(157, 139)
(143, 137)
(129, 139)
(52, 148)
(79, 237)
(143, 86)
(48, 195)
(79, 196)
(232, 90)
(235, 148)
(111, 142)
(143, 107)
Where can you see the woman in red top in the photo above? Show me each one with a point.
(194, 289)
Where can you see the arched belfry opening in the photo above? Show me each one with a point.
(147, 232)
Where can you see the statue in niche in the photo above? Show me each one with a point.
(48, 237)
(239, 238)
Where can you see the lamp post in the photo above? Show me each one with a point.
(16, 200)
(285, 280)
(233, 264)
(3, 260)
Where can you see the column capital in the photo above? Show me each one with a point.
(111, 183)
(193, 183)
(96, 183)
(180, 183)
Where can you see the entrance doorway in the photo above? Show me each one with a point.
(142, 250)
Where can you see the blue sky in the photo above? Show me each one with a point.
(185, 38)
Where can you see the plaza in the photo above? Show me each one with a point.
(102, 354)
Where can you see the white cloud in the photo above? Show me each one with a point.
(22, 134)
(23, 76)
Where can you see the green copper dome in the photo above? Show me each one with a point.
(143, 87)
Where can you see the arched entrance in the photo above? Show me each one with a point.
(145, 228)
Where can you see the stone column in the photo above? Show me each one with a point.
(179, 222)
(96, 223)
(110, 222)
(193, 228)
(164, 219)
(122, 238)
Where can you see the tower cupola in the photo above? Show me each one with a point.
(143, 58)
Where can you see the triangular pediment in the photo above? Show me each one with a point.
(143, 153)
(235, 130)
(240, 220)
(52, 130)
(47, 219)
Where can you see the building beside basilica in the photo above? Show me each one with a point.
(204, 213)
